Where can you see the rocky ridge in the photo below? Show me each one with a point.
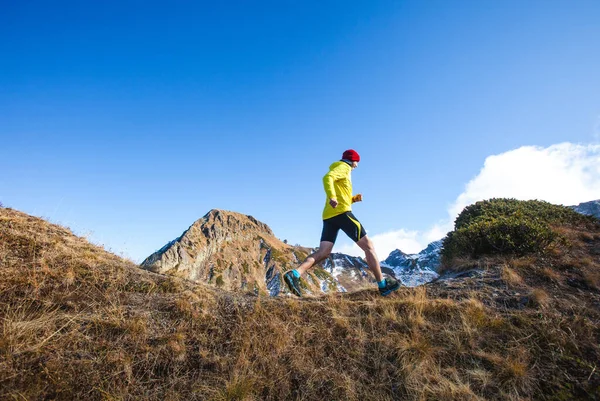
(236, 252)
(414, 269)
(591, 208)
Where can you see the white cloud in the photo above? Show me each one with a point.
(565, 174)
(407, 241)
(436, 232)
(562, 174)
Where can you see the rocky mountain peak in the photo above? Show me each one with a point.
(235, 252)
(219, 221)
(414, 269)
(396, 257)
(591, 208)
(191, 254)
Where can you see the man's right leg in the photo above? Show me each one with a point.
(292, 277)
(323, 253)
(328, 236)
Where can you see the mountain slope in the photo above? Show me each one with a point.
(239, 253)
(350, 272)
(77, 322)
(588, 208)
(228, 249)
(414, 269)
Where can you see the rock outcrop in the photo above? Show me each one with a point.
(414, 269)
(237, 252)
(591, 208)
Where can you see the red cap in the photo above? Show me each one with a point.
(351, 155)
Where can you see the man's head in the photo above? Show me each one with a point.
(353, 156)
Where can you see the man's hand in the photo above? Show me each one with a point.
(333, 203)
(357, 198)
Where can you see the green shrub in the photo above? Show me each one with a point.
(219, 281)
(503, 235)
(508, 226)
(534, 209)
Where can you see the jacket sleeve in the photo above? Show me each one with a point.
(336, 173)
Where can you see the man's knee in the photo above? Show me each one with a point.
(366, 244)
(322, 254)
(325, 249)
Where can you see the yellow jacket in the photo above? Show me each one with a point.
(338, 186)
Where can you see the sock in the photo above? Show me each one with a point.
(381, 283)
(295, 273)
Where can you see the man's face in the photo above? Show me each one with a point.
(354, 164)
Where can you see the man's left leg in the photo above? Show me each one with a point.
(357, 233)
(366, 245)
(386, 286)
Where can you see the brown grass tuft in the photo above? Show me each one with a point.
(521, 263)
(458, 264)
(592, 279)
(238, 389)
(511, 277)
(474, 314)
(551, 274)
(586, 236)
(416, 301)
(583, 263)
(540, 298)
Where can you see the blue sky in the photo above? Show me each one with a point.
(127, 121)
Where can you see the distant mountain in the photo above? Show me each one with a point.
(414, 269)
(236, 252)
(591, 208)
(230, 250)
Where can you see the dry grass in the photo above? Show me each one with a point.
(592, 279)
(540, 298)
(551, 274)
(80, 323)
(521, 263)
(511, 277)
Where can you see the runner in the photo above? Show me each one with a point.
(338, 215)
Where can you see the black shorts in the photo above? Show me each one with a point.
(345, 221)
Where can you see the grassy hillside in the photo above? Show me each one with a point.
(80, 323)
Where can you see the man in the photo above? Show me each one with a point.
(338, 215)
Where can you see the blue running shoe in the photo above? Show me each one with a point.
(293, 283)
(391, 285)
